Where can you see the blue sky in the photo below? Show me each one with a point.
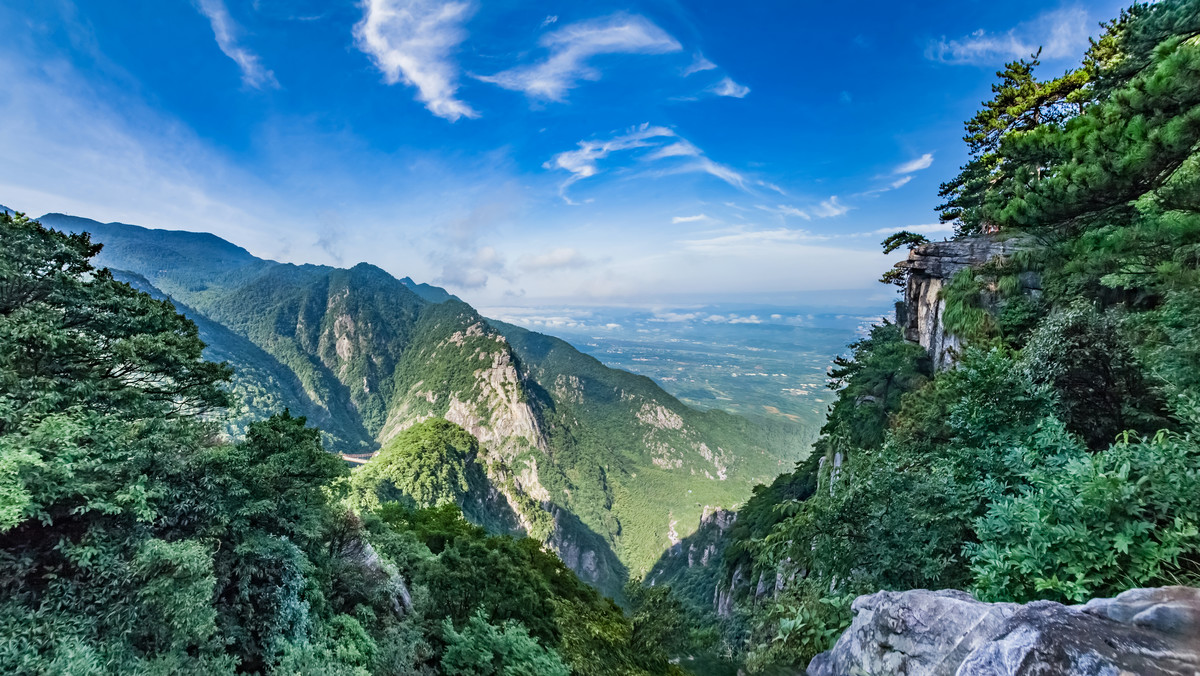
(518, 153)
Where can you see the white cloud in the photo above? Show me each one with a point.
(462, 277)
(1060, 33)
(731, 318)
(583, 161)
(772, 186)
(108, 156)
(727, 87)
(721, 171)
(413, 41)
(553, 18)
(830, 208)
(922, 162)
(572, 46)
(785, 210)
(825, 209)
(675, 317)
(472, 272)
(225, 30)
(748, 239)
(689, 219)
(678, 149)
(699, 64)
(900, 182)
(562, 257)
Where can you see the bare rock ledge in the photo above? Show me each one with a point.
(1143, 632)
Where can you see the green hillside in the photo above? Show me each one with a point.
(618, 468)
(135, 540)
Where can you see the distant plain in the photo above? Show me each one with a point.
(758, 361)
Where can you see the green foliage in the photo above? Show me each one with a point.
(135, 540)
(483, 649)
(794, 627)
(473, 588)
(1100, 387)
(426, 465)
(1094, 525)
(871, 383)
(175, 587)
(965, 315)
(1021, 103)
(904, 238)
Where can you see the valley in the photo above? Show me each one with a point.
(599, 462)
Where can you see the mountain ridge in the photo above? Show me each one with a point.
(620, 468)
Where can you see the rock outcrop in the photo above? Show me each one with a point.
(931, 267)
(1149, 632)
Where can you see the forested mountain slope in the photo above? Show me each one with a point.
(605, 464)
(136, 539)
(1028, 428)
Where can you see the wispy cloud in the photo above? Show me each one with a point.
(571, 47)
(1060, 33)
(553, 18)
(785, 210)
(689, 219)
(830, 208)
(472, 273)
(680, 148)
(903, 173)
(557, 259)
(772, 186)
(225, 30)
(699, 64)
(825, 209)
(583, 161)
(923, 162)
(727, 87)
(413, 41)
(707, 166)
(750, 238)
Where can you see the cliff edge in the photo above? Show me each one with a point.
(930, 268)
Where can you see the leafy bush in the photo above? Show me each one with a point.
(1095, 525)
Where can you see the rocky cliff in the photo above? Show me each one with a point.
(1149, 632)
(930, 268)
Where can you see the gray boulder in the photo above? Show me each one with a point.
(1148, 632)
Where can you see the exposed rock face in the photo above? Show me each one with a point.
(360, 553)
(1142, 631)
(724, 596)
(931, 266)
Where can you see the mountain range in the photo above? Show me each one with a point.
(603, 465)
